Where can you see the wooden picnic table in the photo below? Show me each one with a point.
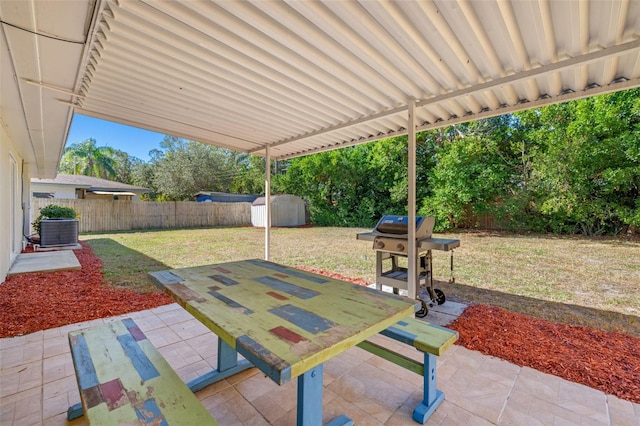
(285, 321)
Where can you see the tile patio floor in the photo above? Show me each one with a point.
(37, 384)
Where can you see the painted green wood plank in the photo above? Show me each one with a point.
(396, 358)
(123, 395)
(253, 307)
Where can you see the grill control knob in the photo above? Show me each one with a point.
(400, 247)
(379, 244)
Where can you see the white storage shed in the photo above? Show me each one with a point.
(286, 210)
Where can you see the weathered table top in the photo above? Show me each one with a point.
(283, 320)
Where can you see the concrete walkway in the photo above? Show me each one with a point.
(37, 383)
(44, 261)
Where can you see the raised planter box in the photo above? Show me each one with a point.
(58, 232)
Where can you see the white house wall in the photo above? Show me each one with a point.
(59, 191)
(12, 184)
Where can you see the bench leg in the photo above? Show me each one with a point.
(340, 421)
(432, 397)
(228, 365)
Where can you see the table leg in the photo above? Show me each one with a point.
(310, 398)
(432, 397)
(310, 401)
(227, 356)
(228, 365)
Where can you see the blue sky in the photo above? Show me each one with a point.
(132, 140)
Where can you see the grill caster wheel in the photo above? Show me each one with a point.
(440, 298)
(423, 311)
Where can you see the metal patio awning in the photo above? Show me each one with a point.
(301, 76)
(132, 194)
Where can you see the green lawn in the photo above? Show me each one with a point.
(577, 280)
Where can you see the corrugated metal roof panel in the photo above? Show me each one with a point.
(309, 76)
(305, 76)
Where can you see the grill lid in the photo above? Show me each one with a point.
(397, 226)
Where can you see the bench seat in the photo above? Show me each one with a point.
(123, 379)
(423, 336)
(432, 340)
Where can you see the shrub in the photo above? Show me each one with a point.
(53, 211)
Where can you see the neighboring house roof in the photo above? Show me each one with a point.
(224, 197)
(91, 184)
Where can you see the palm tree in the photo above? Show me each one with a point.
(86, 158)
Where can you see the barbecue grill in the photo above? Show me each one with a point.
(391, 242)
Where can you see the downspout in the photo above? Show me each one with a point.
(25, 198)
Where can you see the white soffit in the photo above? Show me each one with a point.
(41, 47)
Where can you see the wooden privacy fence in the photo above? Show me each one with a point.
(124, 215)
(486, 222)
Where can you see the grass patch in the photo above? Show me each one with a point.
(575, 280)
(123, 266)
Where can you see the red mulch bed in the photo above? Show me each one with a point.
(39, 301)
(607, 361)
(603, 360)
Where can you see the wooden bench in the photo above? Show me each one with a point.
(430, 339)
(123, 379)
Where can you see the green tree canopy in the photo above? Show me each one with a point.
(182, 168)
(250, 174)
(125, 166)
(352, 186)
(566, 168)
(586, 173)
(86, 158)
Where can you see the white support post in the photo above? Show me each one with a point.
(412, 266)
(267, 204)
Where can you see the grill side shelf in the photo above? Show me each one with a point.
(365, 236)
(443, 244)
